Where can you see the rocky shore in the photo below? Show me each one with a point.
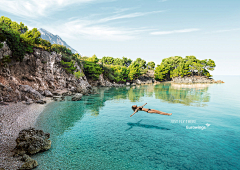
(194, 79)
(13, 118)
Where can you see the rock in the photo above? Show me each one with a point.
(41, 102)
(133, 84)
(31, 141)
(194, 79)
(128, 84)
(29, 90)
(56, 93)
(47, 93)
(29, 101)
(219, 81)
(56, 98)
(144, 80)
(77, 97)
(2, 103)
(5, 51)
(29, 162)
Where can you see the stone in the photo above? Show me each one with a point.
(41, 102)
(29, 162)
(194, 79)
(133, 84)
(29, 90)
(47, 93)
(31, 141)
(77, 97)
(2, 103)
(128, 84)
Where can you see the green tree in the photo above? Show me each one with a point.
(141, 63)
(134, 71)
(107, 60)
(151, 65)
(92, 70)
(18, 38)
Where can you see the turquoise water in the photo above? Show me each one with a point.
(97, 132)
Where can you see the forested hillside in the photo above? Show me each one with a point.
(21, 40)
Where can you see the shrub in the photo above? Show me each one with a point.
(78, 74)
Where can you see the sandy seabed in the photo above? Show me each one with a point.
(13, 118)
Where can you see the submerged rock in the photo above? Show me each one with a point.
(31, 141)
(77, 97)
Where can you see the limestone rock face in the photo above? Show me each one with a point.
(39, 74)
(144, 80)
(5, 51)
(105, 83)
(31, 141)
(77, 97)
(28, 90)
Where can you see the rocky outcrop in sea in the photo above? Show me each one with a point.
(194, 79)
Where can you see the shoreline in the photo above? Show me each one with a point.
(13, 118)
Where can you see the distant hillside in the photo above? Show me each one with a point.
(54, 39)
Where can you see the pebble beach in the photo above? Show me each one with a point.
(13, 118)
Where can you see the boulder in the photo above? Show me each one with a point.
(41, 102)
(128, 84)
(47, 93)
(29, 90)
(77, 97)
(29, 162)
(31, 141)
(133, 84)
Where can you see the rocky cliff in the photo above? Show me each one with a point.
(39, 74)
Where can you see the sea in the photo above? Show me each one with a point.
(97, 132)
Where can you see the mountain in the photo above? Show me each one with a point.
(54, 39)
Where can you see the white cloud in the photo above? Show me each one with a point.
(36, 8)
(174, 31)
(132, 15)
(94, 29)
(229, 30)
(83, 28)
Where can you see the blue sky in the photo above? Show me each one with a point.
(151, 30)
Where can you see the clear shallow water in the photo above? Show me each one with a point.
(97, 132)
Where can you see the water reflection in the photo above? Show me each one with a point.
(60, 116)
(138, 124)
(190, 95)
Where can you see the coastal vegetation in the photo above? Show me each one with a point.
(178, 66)
(21, 40)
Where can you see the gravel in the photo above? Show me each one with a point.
(13, 118)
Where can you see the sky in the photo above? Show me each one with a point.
(151, 30)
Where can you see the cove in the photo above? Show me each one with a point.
(97, 132)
